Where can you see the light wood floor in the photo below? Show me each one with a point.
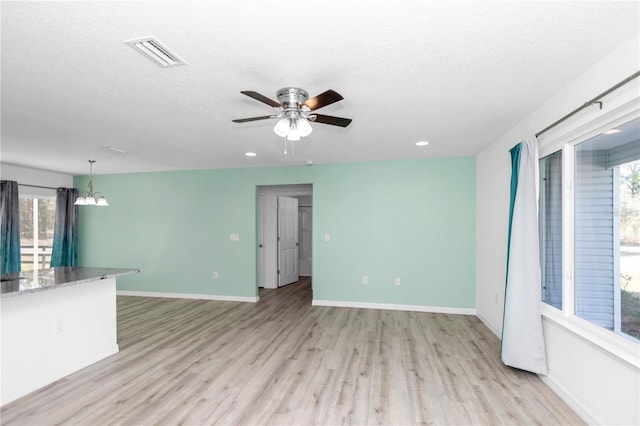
(282, 361)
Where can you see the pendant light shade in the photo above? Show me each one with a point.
(89, 198)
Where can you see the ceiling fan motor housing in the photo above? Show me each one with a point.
(292, 97)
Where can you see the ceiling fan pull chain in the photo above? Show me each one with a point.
(293, 149)
(285, 145)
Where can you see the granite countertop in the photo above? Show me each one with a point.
(26, 282)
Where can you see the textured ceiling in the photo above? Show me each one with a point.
(456, 73)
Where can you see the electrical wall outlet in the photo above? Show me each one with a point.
(327, 237)
(365, 279)
(215, 275)
(234, 237)
(397, 281)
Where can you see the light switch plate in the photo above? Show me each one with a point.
(234, 237)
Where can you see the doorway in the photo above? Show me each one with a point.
(284, 234)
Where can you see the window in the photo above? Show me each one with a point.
(630, 248)
(550, 225)
(37, 220)
(603, 261)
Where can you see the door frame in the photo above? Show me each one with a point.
(268, 277)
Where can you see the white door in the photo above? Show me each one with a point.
(304, 240)
(287, 240)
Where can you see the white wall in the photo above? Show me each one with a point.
(598, 400)
(29, 176)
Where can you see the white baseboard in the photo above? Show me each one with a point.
(579, 409)
(188, 296)
(490, 326)
(394, 307)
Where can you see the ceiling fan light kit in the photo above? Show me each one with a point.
(293, 129)
(295, 111)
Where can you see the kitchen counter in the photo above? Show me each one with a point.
(55, 322)
(52, 278)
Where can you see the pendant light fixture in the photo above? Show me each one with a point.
(89, 198)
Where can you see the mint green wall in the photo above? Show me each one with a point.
(411, 219)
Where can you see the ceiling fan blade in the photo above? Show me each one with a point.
(329, 119)
(323, 99)
(258, 97)
(245, 120)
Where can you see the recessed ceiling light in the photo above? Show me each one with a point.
(612, 131)
(250, 154)
(422, 143)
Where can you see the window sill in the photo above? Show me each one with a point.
(609, 342)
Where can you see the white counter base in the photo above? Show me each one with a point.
(49, 335)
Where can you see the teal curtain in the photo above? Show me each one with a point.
(515, 168)
(522, 334)
(65, 232)
(10, 227)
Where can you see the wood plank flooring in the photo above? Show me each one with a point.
(282, 361)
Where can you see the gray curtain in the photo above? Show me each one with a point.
(10, 227)
(65, 232)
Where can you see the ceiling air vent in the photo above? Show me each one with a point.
(156, 51)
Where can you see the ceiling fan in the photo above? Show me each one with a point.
(295, 110)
